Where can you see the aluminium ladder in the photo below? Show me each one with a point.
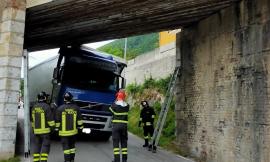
(165, 108)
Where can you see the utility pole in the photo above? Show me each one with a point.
(125, 53)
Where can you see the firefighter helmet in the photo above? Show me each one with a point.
(42, 96)
(68, 96)
(144, 103)
(120, 95)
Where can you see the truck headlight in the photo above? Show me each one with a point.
(86, 130)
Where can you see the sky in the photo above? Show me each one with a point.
(40, 56)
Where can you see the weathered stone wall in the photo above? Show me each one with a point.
(223, 111)
(12, 18)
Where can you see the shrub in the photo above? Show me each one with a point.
(144, 91)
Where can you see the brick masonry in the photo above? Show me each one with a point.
(12, 16)
(223, 111)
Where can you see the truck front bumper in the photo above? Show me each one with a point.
(97, 122)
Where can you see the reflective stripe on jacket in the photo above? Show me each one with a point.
(42, 118)
(120, 113)
(68, 119)
(147, 116)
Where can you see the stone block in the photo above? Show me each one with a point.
(16, 4)
(15, 61)
(12, 26)
(9, 109)
(7, 149)
(10, 72)
(4, 49)
(2, 84)
(15, 49)
(8, 132)
(265, 10)
(11, 44)
(13, 14)
(8, 96)
(11, 49)
(16, 38)
(266, 36)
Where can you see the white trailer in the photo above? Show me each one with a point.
(40, 78)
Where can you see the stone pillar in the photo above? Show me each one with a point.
(12, 14)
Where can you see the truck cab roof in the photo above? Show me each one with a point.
(91, 53)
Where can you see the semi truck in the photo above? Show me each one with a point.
(92, 77)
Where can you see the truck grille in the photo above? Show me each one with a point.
(92, 106)
(93, 126)
(94, 118)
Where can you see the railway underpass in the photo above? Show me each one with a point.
(222, 104)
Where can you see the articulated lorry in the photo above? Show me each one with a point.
(92, 77)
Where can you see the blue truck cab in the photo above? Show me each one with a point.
(93, 78)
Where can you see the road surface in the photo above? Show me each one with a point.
(101, 151)
(98, 151)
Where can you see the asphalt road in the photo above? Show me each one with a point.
(100, 151)
(90, 150)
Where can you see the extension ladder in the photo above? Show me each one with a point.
(165, 108)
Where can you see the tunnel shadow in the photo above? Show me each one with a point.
(19, 145)
(93, 137)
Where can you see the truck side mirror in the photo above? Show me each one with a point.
(55, 73)
(123, 83)
(54, 81)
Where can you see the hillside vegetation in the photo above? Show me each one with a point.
(154, 92)
(136, 45)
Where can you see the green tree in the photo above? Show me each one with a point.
(137, 45)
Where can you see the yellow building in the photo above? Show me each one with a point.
(167, 42)
(166, 37)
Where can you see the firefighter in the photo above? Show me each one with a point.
(147, 117)
(42, 123)
(68, 121)
(120, 110)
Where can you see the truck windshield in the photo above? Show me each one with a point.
(82, 77)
